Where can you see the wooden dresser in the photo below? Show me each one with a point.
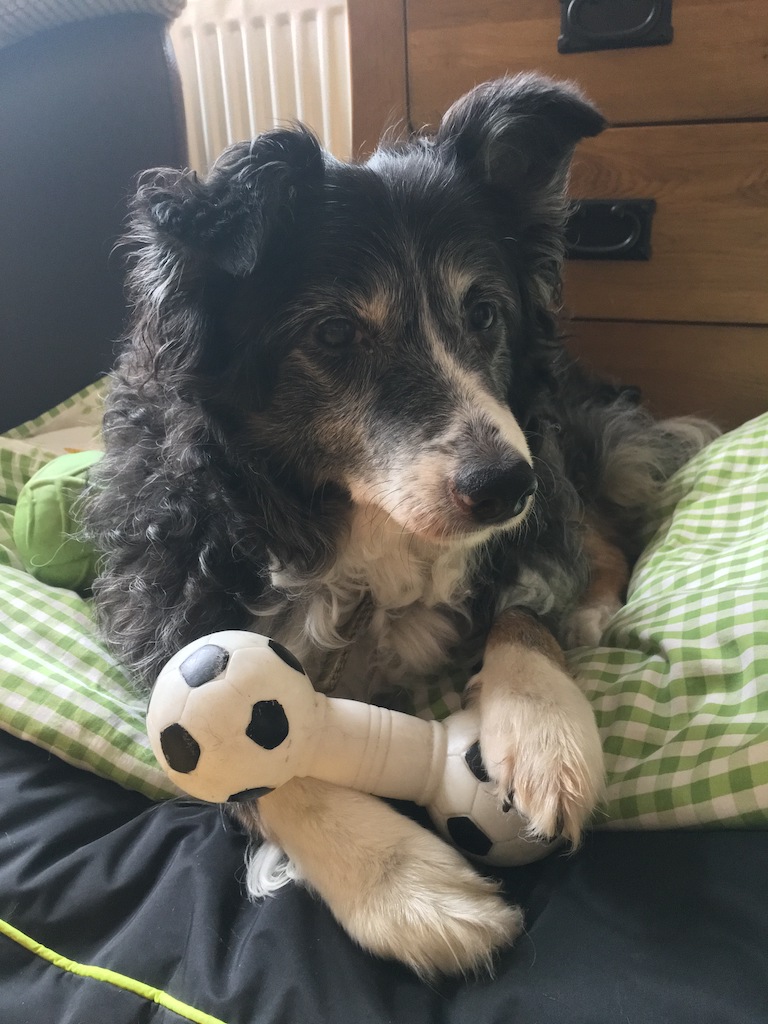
(689, 130)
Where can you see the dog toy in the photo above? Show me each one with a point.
(45, 528)
(232, 716)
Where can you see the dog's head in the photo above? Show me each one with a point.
(372, 329)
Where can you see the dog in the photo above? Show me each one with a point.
(344, 416)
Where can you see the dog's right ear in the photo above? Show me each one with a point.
(224, 221)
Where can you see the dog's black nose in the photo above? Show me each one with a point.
(494, 492)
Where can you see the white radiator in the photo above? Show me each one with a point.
(248, 65)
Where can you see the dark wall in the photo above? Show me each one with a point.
(83, 109)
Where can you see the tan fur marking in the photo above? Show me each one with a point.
(609, 569)
(377, 308)
(515, 627)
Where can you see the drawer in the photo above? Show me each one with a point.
(715, 68)
(716, 371)
(709, 243)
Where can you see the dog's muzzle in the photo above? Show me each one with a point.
(495, 492)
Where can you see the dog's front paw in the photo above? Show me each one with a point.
(428, 908)
(543, 750)
(398, 890)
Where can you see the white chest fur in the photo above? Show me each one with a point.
(416, 591)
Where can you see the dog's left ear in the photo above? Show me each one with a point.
(518, 134)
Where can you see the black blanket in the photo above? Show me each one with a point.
(636, 928)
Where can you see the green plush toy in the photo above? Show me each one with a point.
(45, 528)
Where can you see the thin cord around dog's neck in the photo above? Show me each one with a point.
(336, 661)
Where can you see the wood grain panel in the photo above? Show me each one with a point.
(716, 67)
(379, 86)
(709, 257)
(718, 372)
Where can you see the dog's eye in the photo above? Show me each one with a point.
(338, 332)
(481, 316)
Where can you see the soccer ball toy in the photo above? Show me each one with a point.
(233, 716)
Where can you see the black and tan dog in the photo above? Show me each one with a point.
(344, 416)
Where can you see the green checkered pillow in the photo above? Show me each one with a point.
(59, 687)
(679, 689)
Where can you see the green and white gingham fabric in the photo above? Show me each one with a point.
(679, 687)
(59, 687)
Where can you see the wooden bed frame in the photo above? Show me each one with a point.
(690, 327)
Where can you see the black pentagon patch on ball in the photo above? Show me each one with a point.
(249, 794)
(285, 655)
(474, 760)
(467, 836)
(204, 665)
(182, 751)
(268, 726)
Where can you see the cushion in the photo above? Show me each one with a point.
(59, 687)
(680, 684)
(115, 912)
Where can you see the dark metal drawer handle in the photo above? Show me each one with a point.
(613, 24)
(610, 229)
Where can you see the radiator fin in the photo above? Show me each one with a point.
(248, 65)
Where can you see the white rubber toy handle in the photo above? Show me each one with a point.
(376, 750)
